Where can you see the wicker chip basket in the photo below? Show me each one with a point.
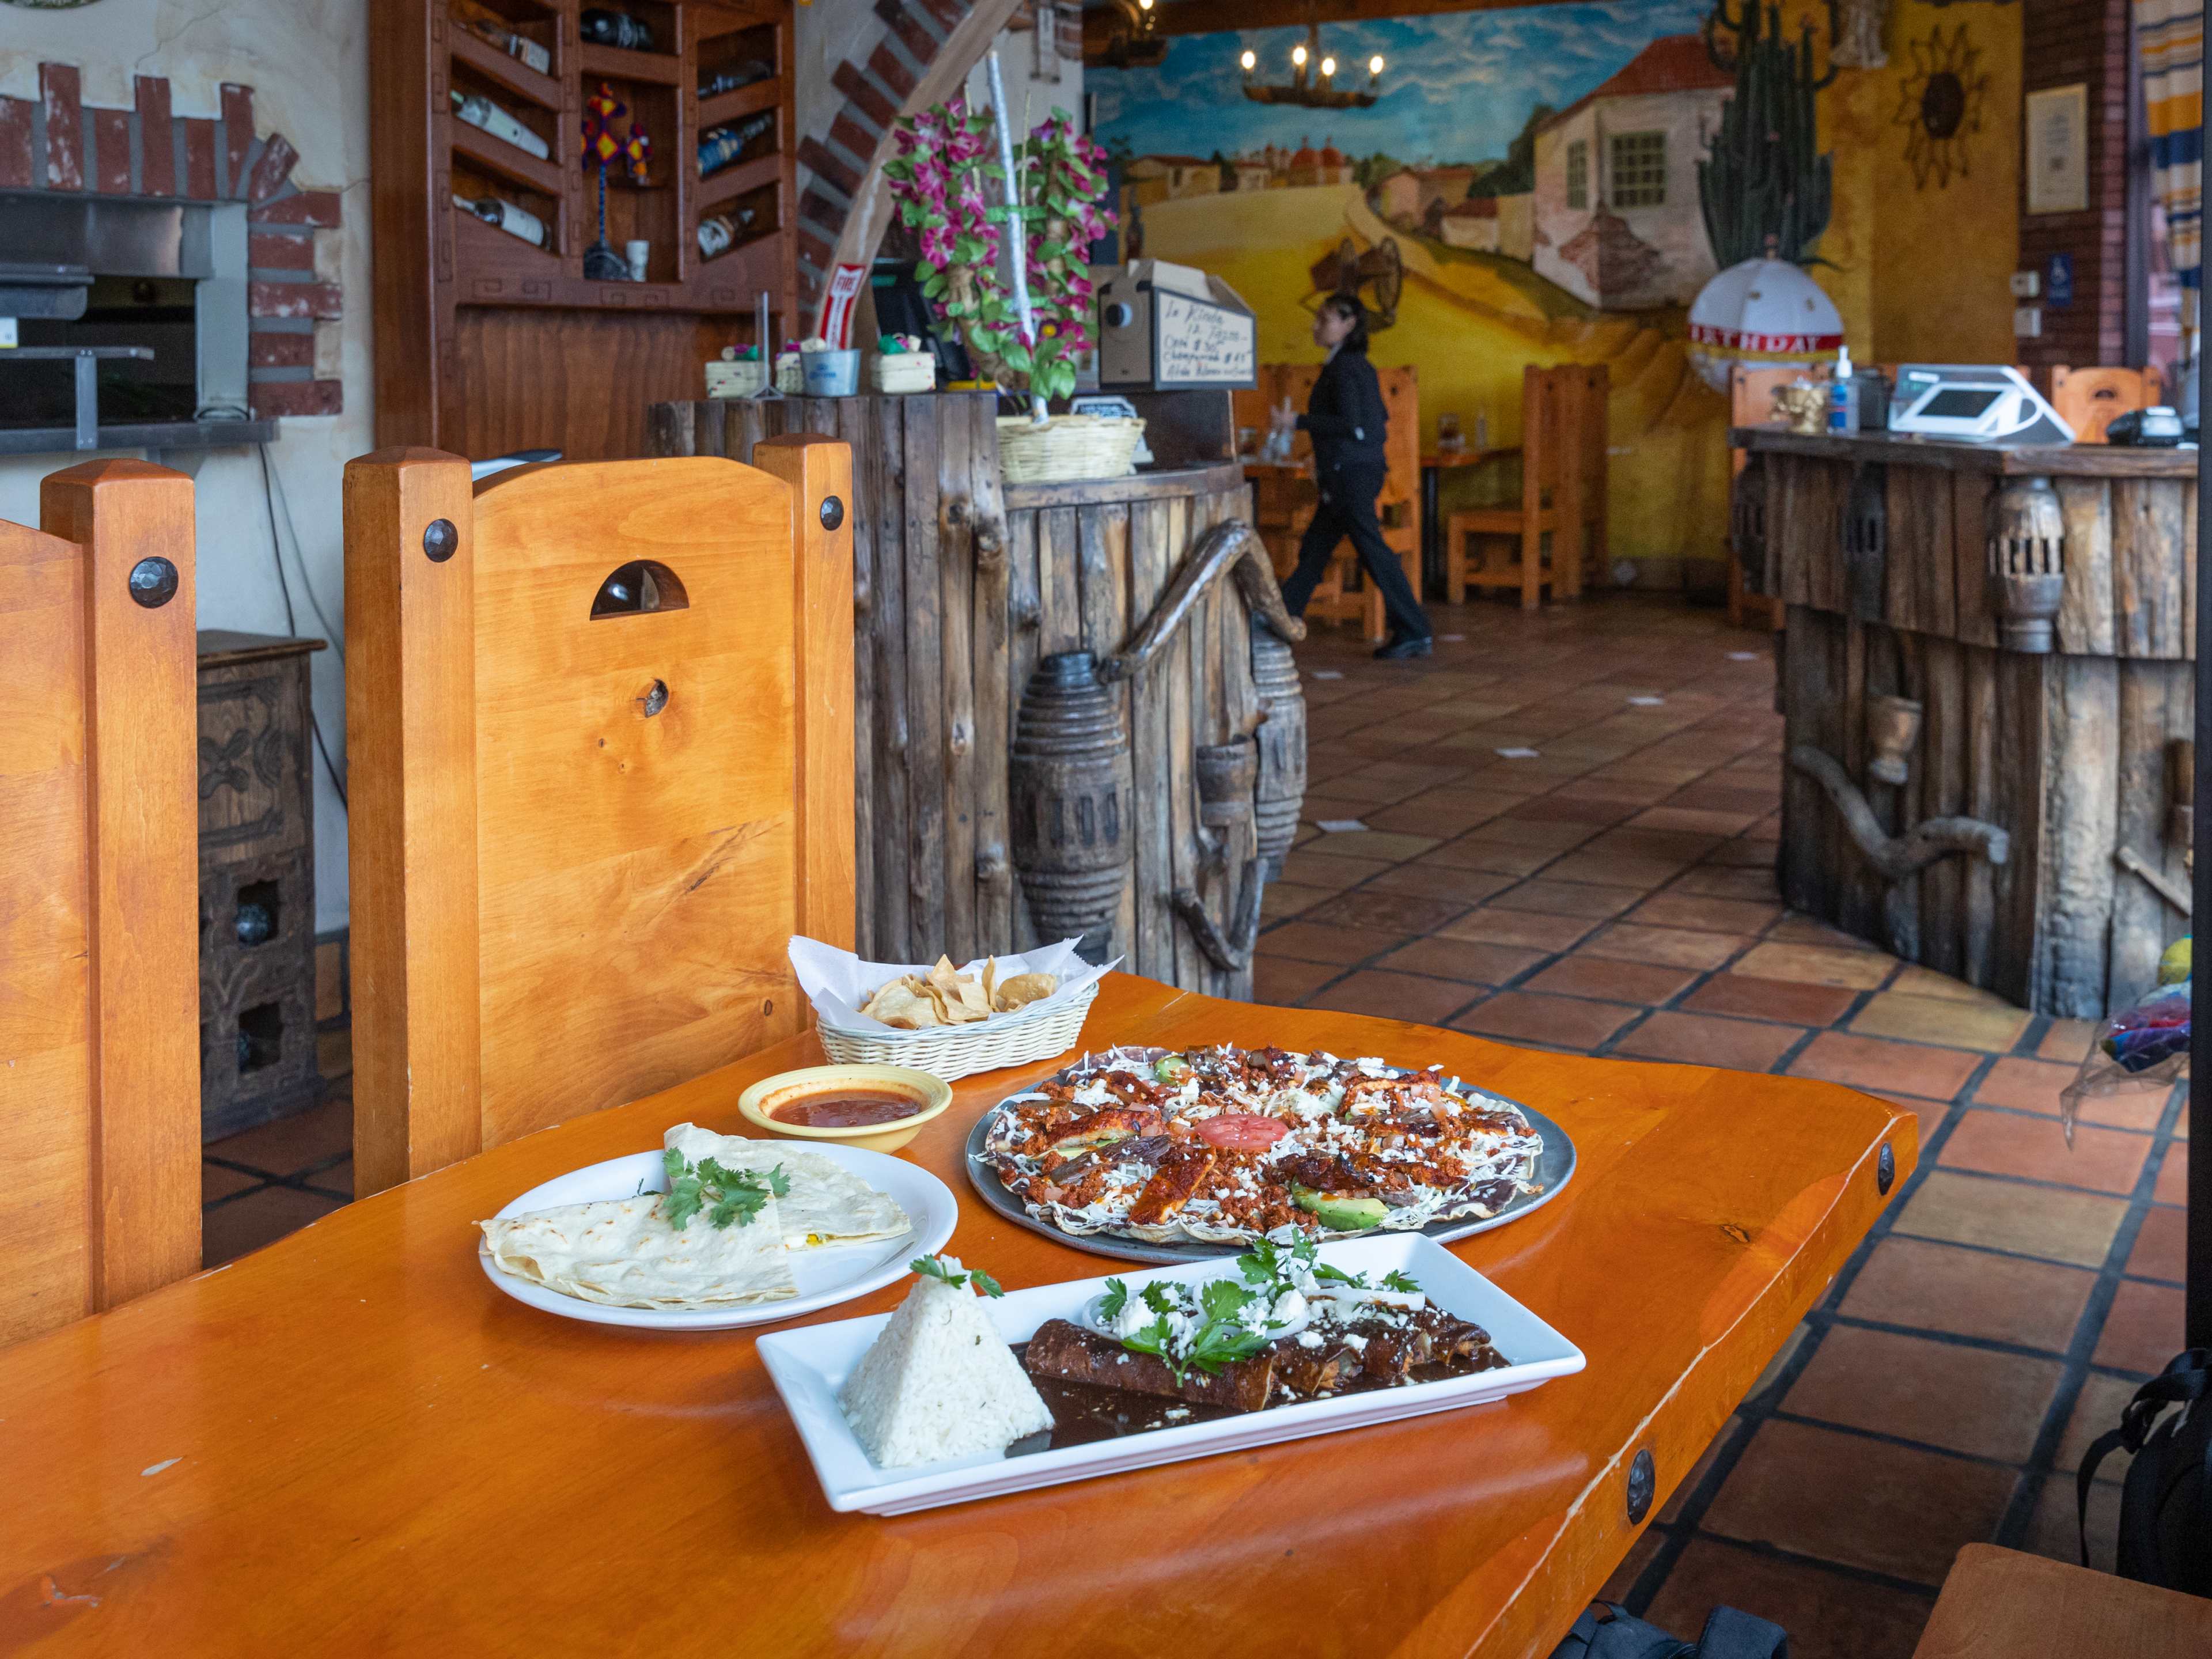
(1067, 447)
(950, 1052)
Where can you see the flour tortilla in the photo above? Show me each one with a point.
(827, 1204)
(624, 1253)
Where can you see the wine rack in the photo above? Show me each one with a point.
(490, 334)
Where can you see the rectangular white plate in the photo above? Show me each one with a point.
(809, 1366)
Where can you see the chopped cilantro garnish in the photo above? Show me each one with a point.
(727, 1195)
(1115, 1299)
(1330, 1275)
(933, 1266)
(1159, 1299)
(1223, 1298)
(1402, 1282)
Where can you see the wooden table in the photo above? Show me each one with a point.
(352, 1443)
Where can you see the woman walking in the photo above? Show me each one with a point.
(1346, 420)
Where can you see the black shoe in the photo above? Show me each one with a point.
(1398, 650)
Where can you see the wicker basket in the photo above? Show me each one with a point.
(1067, 447)
(950, 1052)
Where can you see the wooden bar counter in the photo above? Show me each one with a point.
(985, 821)
(1986, 677)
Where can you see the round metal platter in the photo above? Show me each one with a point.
(1555, 1167)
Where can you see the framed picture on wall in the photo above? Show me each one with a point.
(2058, 149)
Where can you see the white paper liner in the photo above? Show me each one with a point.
(837, 982)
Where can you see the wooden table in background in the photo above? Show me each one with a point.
(352, 1443)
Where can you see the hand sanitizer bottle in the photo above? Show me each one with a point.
(1843, 396)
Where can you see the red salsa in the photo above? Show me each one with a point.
(847, 1109)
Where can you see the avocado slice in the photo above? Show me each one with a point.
(1343, 1214)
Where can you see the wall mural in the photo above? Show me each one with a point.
(1525, 189)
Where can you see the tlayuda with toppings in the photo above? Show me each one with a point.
(1228, 1145)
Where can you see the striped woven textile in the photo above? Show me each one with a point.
(2171, 37)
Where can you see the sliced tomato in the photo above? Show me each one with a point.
(1243, 1133)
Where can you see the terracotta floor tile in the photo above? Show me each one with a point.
(1647, 1545)
(2002, 1215)
(2142, 1333)
(1781, 1001)
(1521, 832)
(1940, 1394)
(1863, 1503)
(1991, 1028)
(338, 1178)
(1280, 900)
(1724, 1443)
(1283, 982)
(1491, 857)
(1560, 1022)
(1693, 820)
(1628, 794)
(1654, 844)
(1396, 996)
(1818, 964)
(2172, 1186)
(1584, 975)
(1463, 959)
(1423, 817)
(1724, 882)
(1711, 915)
(2055, 1530)
(1386, 912)
(2161, 1247)
(1428, 879)
(1527, 928)
(1712, 796)
(1310, 866)
(1566, 898)
(1556, 808)
(1753, 852)
(1614, 870)
(2026, 1086)
(1795, 928)
(231, 1229)
(1379, 845)
(1735, 1045)
(1946, 1287)
(2067, 1040)
(2097, 1408)
(1865, 1062)
(1679, 947)
(1919, 981)
(1829, 1615)
(218, 1182)
(292, 1143)
(2011, 1143)
(1310, 941)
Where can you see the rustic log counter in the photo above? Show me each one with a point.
(1123, 645)
(1985, 677)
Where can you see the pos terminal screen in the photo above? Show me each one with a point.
(1959, 403)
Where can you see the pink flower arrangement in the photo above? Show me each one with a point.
(951, 193)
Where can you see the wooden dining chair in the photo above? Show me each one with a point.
(2090, 399)
(99, 1086)
(600, 720)
(1750, 402)
(1558, 526)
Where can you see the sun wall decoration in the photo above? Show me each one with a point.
(1940, 105)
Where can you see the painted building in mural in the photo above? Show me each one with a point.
(1618, 223)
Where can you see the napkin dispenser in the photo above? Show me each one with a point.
(1168, 328)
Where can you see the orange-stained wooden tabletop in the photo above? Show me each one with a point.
(351, 1443)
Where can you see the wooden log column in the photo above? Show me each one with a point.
(1138, 612)
(2036, 607)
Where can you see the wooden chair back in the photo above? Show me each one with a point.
(2090, 399)
(1562, 489)
(600, 719)
(99, 1085)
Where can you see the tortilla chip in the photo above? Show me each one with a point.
(900, 1004)
(1024, 988)
(990, 981)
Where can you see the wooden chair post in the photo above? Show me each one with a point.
(99, 1118)
(819, 470)
(411, 746)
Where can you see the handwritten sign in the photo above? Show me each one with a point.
(1199, 344)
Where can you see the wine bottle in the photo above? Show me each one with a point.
(514, 221)
(719, 146)
(718, 233)
(480, 112)
(736, 75)
(605, 28)
(488, 25)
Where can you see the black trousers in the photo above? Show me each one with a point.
(1347, 508)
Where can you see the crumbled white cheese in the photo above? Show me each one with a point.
(1309, 1339)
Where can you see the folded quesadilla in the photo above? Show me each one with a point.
(622, 1252)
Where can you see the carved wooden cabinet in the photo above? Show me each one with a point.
(257, 882)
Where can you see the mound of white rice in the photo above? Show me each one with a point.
(939, 1383)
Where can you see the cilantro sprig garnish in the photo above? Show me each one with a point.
(930, 1267)
(1401, 1281)
(727, 1196)
(1115, 1299)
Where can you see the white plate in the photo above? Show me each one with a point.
(827, 1275)
(808, 1366)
